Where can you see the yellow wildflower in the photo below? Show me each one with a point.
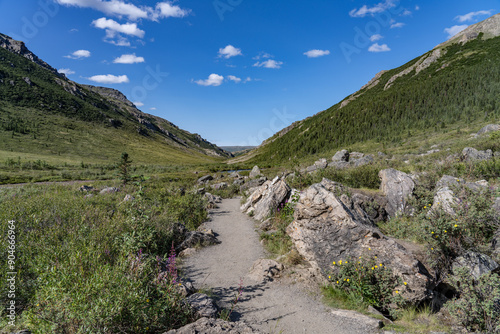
(456, 225)
(406, 283)
(397, 291)
(333, 262)
(329, 277)
(347, 280)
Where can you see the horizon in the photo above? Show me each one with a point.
(227, 69)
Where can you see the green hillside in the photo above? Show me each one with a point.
(43, 115)
(458, 89)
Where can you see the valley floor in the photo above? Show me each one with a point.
(270, 307)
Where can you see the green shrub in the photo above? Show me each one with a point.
(372, 281)
(478, 307)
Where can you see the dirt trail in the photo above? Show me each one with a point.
(270, 307)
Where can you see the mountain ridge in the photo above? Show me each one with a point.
(43, 89)
(332, 128)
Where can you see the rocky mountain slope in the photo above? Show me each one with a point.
(44, 113)
(453, 85)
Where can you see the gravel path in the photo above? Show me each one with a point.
(270, 307)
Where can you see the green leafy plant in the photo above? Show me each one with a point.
(478, 307)
(369, 279)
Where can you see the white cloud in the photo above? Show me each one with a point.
(378, 8)
(153, 108)
(397, 25)
(376, 37)
(317, 53)
(138, 103)
(66, 71)
(470, 16)
(109, 78)
(213, 80)
(406, 13)
(128, 59)
(379, 48)
(234, 78)
(248, 79)
(229, 51)
(452, 31)
(166, 9)
(271, 63)
(262, 55)
(79, 54)
(112, 27)
(116, 39)
(417, 7)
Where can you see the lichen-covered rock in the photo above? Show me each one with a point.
(266, 198)
(367, 159)
(205, 179)
(214, 326)
(489, 128)
(198, 239)
(397, 187)
(109, 190)
(477, 263)
(253, 183)
(325, 230)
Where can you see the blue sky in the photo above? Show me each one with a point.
(234, 71)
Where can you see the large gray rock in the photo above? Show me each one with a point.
(397, 187)
(321, 164)
(265, 270)
(212, 200)
(266, 198)
(197, 239)
(218, 186)
(255, 172)
(205, 179)
(367, 159)
(341, 156)
(214, 326)
(470, 154)
(478, 264)
(253, 183)
(203, 305)
(445, 200)
(109, 190)
(325, 230)
(372, 206)
(489, 128)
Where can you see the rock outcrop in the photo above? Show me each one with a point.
(471, 154)
(214, 326)
(325, 230)
(255, 172)
(397, 187)
(488, 128)
(265, 270)
(203, 305)
(266, 198)
(477, 263)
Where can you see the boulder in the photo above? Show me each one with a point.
(373, 207)
(205, 179)
(470, 154)
(339, 164)
(253, 183)
(235, 175)
(363, 161)
(239, 182)
(197, 239)
(265, 270)
(311, 169)
(325, 230)
(445, 200)
(341, 156)
(185, 288)
(321, 164)
(489, 128)
(109, 190)
(397, 187)
(214, 326)
(255, 172)
(212, 200)
(356, 155)
(267, 198)
(477, 263)
(449, 182)
(203, 305)
(218, 186)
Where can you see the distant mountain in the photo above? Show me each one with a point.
(43, 113)
(457, 83)
(234, 149)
